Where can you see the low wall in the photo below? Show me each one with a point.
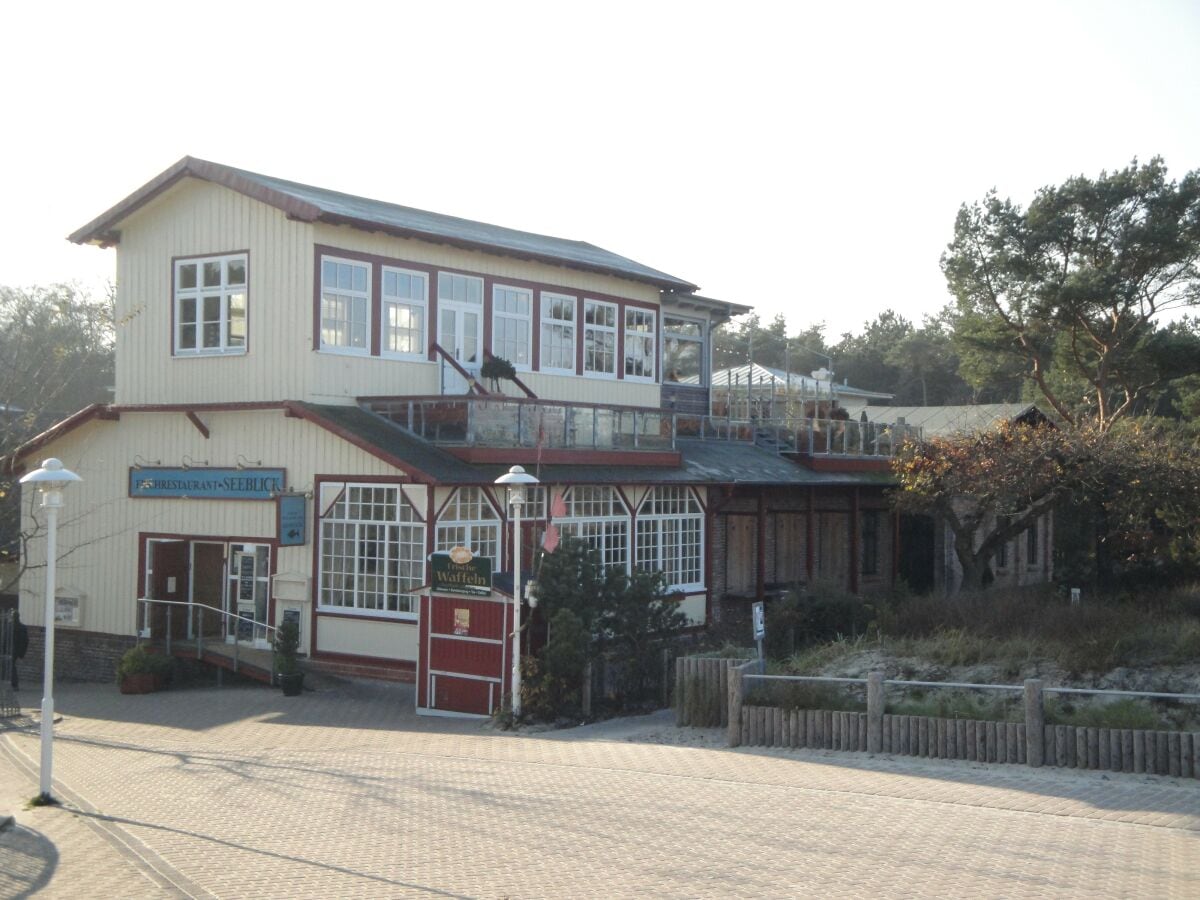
(78, 655)
(1109, 749)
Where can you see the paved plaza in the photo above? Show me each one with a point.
(240, 792)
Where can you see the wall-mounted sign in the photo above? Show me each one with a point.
(207, 484)
(460, 572)
(66, 611)
(293, 520)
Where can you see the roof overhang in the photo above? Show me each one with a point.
(717, 311)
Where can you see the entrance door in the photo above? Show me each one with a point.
(208, 589)
(249, 585)
(460, 333)
(166, 579)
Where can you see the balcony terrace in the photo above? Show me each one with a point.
(493, 428)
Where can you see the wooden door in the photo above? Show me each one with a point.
(833, 547)
(168, 561)
(790, 551)
(208, 585)
(740, 554)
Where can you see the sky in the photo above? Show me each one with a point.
(806, 159)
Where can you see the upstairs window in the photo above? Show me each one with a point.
(210, 305)
(405, 300)
(345, 305)
(599, 337)
(640, 343)
(558, 333)
(683, 351)
(511, 333)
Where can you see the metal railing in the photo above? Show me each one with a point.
(145, 626)
(804, 436)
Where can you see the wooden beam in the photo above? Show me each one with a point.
(195, 420)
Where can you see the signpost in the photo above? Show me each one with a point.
(760, 625)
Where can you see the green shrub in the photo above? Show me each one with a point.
(137, 660)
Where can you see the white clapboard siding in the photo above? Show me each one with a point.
(100, 524)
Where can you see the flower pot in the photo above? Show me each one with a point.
(292, 684)
(141, 683)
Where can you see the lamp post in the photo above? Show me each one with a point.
(516, 480)
(49, 481)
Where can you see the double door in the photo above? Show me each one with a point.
(214, 588)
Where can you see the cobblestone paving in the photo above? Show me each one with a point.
(239, 792)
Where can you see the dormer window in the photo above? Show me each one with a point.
(210, 305)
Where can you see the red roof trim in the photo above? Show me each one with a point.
(102, 230)
(10, 464)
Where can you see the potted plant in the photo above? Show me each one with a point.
(287, 643)
(142, 672)
(495, 368)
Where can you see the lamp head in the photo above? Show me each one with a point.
(51, 476)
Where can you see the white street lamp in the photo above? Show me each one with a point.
(49, 481)
(515, 480)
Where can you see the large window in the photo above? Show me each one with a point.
(210, 305)
(683, 350)
(599, 337)
(558, 333)
(511, 332)
(640, 342)
(670, 537)
(470, 521)
(345, 305)
(597, 516)
(372, 551)
(405, 301)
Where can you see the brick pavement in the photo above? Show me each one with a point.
(239, 792)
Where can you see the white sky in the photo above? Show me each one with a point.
(806, 159)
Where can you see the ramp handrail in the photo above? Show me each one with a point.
(203, 608)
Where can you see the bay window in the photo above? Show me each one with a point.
(684, 353)
(670, 536)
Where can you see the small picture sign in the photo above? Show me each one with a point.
(462, 621)
(760, 621)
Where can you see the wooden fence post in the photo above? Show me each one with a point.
(875, 705)
(1035, 719)
(586, 700)
(735, 707)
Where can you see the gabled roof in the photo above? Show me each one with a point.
(313, 204)
(943, 421)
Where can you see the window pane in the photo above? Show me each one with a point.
(237, 271)
(187, 337)
(212, 274)
(212, 334)
(187, 309)
(187, 276)
(212, 309)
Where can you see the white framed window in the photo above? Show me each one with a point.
(599, 338)
(597, 516)
(469, 520)
(641, 338)
(684, 351)
(372, 552)
(670, 536)
(210, 305)
(558, 333)
(454, 288)
(512, 336)
(405, 298)
(345, 305)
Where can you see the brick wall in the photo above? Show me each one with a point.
(78, 655)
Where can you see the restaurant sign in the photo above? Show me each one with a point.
(460, 572)
(207, 484)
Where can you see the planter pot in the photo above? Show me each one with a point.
(141, 683)
(292, 684)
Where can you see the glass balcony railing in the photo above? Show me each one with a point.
(509, 422)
